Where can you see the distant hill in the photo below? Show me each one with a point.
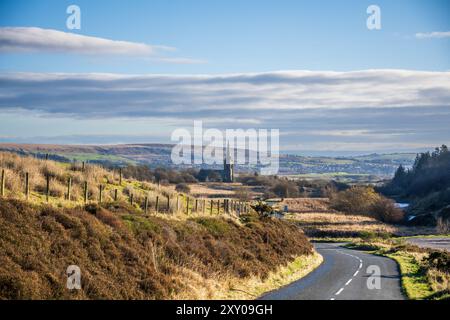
(379, 165)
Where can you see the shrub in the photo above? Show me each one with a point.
(439, 260)
(384, 209)
(365, 201)
(183, 187)
(243, 194)
(128, 256)
(356, 200)
(285, 189)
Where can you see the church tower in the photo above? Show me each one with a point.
(228, 166)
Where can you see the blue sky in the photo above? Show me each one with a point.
(244, 36)
(255, 39)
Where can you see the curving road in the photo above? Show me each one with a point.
(343, 276)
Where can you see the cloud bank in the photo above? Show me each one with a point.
(313, 110)
(32, 39)
(255, 95)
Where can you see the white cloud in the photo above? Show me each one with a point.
(433, 35)
(360, 108)
(255, 94)
(32, 39)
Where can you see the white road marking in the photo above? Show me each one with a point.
(354, 275)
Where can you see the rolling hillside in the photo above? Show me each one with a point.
(369, 167)
(173, 250)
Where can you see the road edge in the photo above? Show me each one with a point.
(299, 268)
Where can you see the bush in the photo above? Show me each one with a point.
(183, 187)
(365, 201)
(356, 200)
(129, 256)
(384, 209)
(243, 194)
(286, 189)
(439, 260)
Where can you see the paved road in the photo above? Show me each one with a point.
(343, 276)
(435, 243)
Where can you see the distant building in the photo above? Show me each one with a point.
(228, 167)
(225, 175)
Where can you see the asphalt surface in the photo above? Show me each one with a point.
(344, 275)
(434, 243)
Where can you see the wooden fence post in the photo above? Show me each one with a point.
(204, 206)
(116, 197)
(69, 185)
(146, 205)
(120, 176)
(131, 199)
(168, 204)
(100, 196)
(83, 166)
(27, 185)
(2, 184)
(211, 209)
(46, 156)
(218, 206)
(85, 197)
(196, 205)
(47, 190)
(187, 205)
(157, 204)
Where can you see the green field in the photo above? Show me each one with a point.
(338, 176)
(96, 157)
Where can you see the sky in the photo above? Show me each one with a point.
(137, 70)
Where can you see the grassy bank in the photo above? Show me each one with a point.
(123, 254)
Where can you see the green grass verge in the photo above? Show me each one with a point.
(414, 281)
(96, 157)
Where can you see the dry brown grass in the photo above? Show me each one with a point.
(124, 255)
(319, 221)
(16, 166)
(307, 205)
(218, 189)
(339, 225)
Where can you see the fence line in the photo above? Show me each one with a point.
(227, 206)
